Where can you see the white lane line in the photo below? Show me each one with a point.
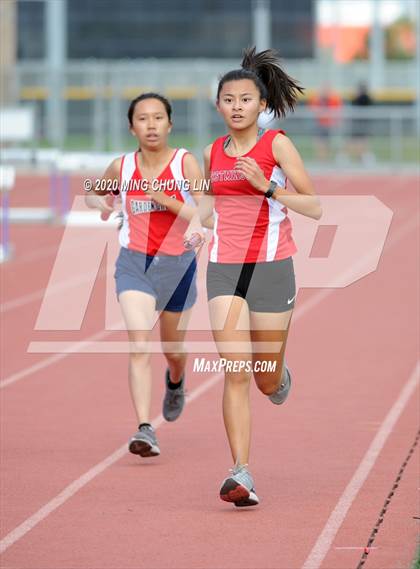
(77, 347)
(326, 538)
(35, 255)
(74, 348)
(30, 256)
(52, 289)
(55, 358)
(70, 490)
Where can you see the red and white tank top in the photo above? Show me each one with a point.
(248, 227)
(149, 227)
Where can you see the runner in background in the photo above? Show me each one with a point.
(159, 190)
(361, 127)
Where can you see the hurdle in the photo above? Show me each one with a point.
(68, 164)
(59, 166)
(7, 181)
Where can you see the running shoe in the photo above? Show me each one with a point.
(174, 400)
(280, 396)
(144, 442)
(239, 488)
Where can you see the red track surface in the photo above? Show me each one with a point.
(352, 354)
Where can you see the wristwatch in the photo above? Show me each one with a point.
(271, 189)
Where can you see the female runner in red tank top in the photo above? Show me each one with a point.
(250, 276)
(153, 270)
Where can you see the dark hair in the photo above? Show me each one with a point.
(144, 96)
(279, 89)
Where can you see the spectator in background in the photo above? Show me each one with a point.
(325, 106)
(361, 127)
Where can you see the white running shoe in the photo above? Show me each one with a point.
(239, 488)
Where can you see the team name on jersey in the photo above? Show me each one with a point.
(145, 206)
(226, 176)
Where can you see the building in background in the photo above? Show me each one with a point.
(80, 62)
(105, 29)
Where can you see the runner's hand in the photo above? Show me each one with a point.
(192, 240)
(105, 204)
(253, 173)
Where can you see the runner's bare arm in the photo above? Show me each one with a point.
(176, 206)
(194, 175)
(207, 200)
(96, 198)
(304, 200)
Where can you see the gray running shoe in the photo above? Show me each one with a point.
(239, 488)
(280, 396)
(174, 400)
(144, 442)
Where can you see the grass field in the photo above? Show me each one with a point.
(416, 562)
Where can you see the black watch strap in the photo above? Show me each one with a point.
(271, 189)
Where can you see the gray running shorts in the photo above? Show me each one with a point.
(267, 287)
(170, 279)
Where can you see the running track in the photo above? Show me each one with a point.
(324, 463)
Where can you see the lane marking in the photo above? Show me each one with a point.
(52, 290)
(83, 480)
(70, 490)
(334, 522)
(326, 536)
(78, 346)
(53, 359)
(73, 348)
(25, 258)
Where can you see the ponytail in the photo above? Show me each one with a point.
(279, 89)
